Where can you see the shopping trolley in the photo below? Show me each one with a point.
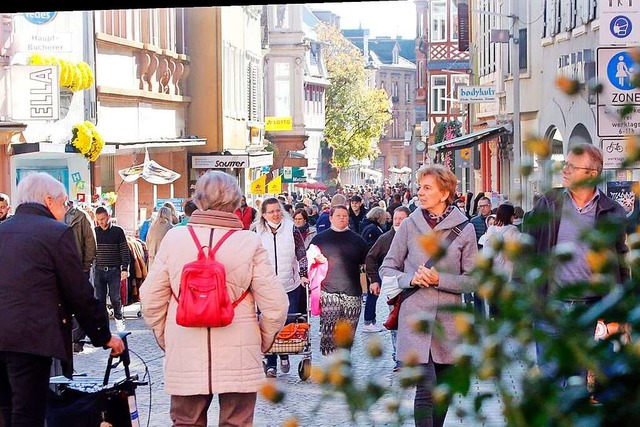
(88, 401)
(295, 339)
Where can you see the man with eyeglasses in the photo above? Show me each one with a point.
(480, 224)
(562, 217)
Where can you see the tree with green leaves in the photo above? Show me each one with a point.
(355, 115)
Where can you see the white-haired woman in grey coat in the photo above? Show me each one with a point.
(440, 285)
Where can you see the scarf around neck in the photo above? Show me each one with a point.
(215, 219)
(434, 220)
(304, 228)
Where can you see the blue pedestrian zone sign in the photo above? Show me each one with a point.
(620, 26)
(620, 70)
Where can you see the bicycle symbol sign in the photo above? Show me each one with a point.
(614, 146)
(614, 153)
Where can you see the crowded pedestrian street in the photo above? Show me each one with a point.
(305, 400)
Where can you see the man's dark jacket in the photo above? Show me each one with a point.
(376, 255)
(543, 223)
(42, 284)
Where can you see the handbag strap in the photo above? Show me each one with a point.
(453, 234)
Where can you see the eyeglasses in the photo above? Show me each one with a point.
(273, 212)
(571, 168)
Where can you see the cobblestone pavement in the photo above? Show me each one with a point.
(303, 399)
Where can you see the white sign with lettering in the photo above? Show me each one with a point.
(49, 43)
(219, 162)
(614, 151)
(616, 67)
(476, 94)
(35, 92)
(619, 22)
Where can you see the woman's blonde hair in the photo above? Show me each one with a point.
(217, 190)
(447, 181)
(377, 214)
(164, 212)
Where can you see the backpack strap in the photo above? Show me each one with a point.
(239, 300)
(196, 241)
(212, 252)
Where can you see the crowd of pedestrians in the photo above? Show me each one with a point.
(367, 237)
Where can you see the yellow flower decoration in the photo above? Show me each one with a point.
(36, 59)
(73, 76)
(88, 140)
(82, 138)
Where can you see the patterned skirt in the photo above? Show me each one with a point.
(337, 307)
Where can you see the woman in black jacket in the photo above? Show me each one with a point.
(374, 260)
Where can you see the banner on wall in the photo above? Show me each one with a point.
(259, 185)
(275, 185)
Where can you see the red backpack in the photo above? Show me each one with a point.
(203, 300)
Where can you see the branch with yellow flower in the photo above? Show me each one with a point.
(87, 140)
(74, 76)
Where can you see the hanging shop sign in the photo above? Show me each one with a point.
(39, 18)
(615, 72)
(272, 124)
(220, 162)
(37, 92)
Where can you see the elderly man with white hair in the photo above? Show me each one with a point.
(42, 284)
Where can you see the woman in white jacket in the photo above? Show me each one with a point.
(288, 255)
(502, 230)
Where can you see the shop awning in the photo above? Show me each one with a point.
(150, 171)
(402, 170)
(125, 147)
(470, 140)
(370, 172)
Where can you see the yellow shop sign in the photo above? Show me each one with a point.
(278, 123)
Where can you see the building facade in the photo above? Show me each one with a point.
(295, 82)
(39, 107)
(392, 63)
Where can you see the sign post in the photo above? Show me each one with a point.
(619, 22)
(615, 67)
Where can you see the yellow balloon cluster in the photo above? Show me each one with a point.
(87, 140)
(74, 76)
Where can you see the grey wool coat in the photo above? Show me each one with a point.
(454, 268)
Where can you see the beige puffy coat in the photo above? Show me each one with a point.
(215, 360)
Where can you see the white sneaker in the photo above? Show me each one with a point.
(120, 326)
(372, 327)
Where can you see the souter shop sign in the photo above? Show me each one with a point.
(220, 162)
